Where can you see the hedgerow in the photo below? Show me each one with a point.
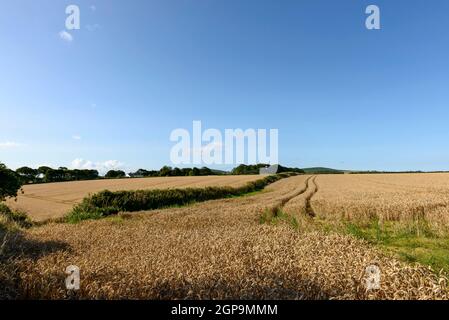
(106, 203)
(10, 218)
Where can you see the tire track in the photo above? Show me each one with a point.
(301, 204)
(309, 209)
(278, 207)
(49, 199)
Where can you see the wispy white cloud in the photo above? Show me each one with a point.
(9, 144)
(102, 167)
(76, 137)
(93, 8)
(65, 36)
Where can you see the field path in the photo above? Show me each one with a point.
(304, 186)
(301, 203)
(312, 192)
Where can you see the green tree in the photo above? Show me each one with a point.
(10, 183)
(176, 172)
(205, 171)
(139, 173)
(165, 171)
(27, 174)
(43, 170)
(115, 174)
(195, 172)
(56, 175)
(185, 171)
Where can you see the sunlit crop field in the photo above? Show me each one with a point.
(53, 200)
(237, 248)
(387, 197)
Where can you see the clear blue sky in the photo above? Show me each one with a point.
(341, 96)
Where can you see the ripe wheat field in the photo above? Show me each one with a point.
(53, 200)
(387, 197)
(259, 246)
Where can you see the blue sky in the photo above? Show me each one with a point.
(341, 96)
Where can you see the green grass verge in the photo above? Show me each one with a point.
(410, 242)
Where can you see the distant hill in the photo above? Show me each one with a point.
(219, 172)
(321, 170)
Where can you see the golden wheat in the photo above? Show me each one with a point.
(212, 250)
(53, 200)
(388, 197)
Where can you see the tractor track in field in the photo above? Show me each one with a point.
(300, 200)
(49, 199)
(309, 209)
(283, 202)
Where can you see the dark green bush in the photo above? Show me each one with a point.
(10, 183)
(14, 217)
(115, 174)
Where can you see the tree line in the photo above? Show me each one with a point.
(45, 174)
(167, 171)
